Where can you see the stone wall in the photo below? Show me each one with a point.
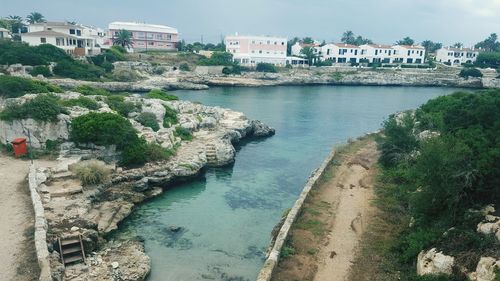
(266, 272)
(39, 131)
(42, 252)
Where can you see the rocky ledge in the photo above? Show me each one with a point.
(94, 211)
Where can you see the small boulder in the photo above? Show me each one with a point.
(115, 265)
(434, 262)
(485, 270)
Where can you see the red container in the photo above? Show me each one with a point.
(20, 148)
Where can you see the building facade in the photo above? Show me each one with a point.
(377, 53)
(456, 56)
(409, 54)
(5, 34)
(340, 53)
(74, 39)
(146, 37)
(251, 50)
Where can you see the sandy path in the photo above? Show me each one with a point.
(353, 209)
(17, 254)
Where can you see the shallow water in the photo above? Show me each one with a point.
(218, 226)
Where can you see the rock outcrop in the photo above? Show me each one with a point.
(490, 224)
(434, 262)
(485, 270)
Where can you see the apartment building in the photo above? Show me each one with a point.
(409, 54)
(377, 53)
(340, 53)
(456, 56)
(73, 38)
(251, 50)
(146, 37)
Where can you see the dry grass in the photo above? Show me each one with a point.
(92, 172)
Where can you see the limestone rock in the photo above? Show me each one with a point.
(485, 270)
(260, 129)
(434, 262)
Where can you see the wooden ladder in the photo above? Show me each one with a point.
(71, 249)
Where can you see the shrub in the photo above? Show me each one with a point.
(41, 70)
(92, 172)
(170, 117)
(90, 91)
(155, 152)
(41, 108)
(148, 119)
(266, 67)
(103, 129)
(323, 63)
(77, 70)
(161, 95)
(184, 67)
(12, 86)
(470, 72)
(134, 154)
(124, 108)
(183, 133)
(488, 59)
(217, 58)
(82, 102)
(125, 75)
(16, 52)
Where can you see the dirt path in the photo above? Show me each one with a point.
(17, 250)
(354, 178)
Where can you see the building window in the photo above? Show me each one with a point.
(72, 31)
(260, 51)
(169, 37)
(283, 43)
(43, 40)
(151, 43)
(408, 52)
(78, 32)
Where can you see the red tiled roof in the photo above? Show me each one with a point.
(344, 45)
(380, 46)
(415, 47)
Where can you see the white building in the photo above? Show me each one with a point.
(377, 53)
(340, 53)
(5, 34)
(251, 50)
(74, 39)
(409, 54)
(298, 46)
(456, 56)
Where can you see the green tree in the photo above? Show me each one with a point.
(309, 53)
(490, 44)
(289, 45)
(430, 46)
(406, 41)
(16, 24)
(348, 37)
(458, 45)
(307, 40)
(123, 38)
(35, 17)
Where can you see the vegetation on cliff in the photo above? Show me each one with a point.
(44, 107)
(13, 87)
(430, 183)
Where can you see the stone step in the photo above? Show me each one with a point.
(62, 175)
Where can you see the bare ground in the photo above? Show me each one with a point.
(324, 238)
(17, 249)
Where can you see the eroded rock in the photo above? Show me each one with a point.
(485, 270)
(434, 262)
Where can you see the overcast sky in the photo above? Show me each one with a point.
(383, 21)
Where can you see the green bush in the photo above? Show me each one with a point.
(488, 59)
(41, 70)
(12, 52)
(266, 67)
(103, 129)
(184, 67)
(82, 102)
(125, 75)
(148, 119)
(12, 86)
(323, 63)
(78, 70)
(143, 152)
(470, 72)
(44, 107)
(91, 172)
(91, 91)
(217, 58)
(183, 133)
(170, 117)
(161, 95)
(124, 108)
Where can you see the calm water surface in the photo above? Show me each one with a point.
(217, 227)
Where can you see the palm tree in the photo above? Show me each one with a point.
(458, 45)
(16, 24)
(123, 38)
(309, 53)
(35, 17)
(348, 37)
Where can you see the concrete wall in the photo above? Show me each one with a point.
(42, 252)
(272, 260)
(210, 70)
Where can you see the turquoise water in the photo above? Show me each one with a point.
(218, 226)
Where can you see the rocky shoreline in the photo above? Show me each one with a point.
(95, 211)
(185, 80)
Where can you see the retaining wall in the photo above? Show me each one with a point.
(272, 260)
(42, 252)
